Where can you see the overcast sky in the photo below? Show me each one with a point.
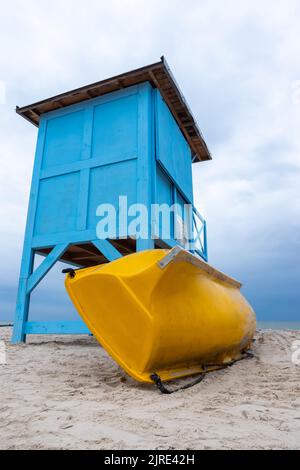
(237, 63)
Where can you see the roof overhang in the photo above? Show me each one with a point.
(158, 74)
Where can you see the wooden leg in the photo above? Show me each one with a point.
(28, 281)
(23, 298)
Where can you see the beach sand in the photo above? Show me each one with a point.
(67, 393)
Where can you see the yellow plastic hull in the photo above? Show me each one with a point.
(163, 311)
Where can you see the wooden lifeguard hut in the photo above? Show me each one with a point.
(131, 135)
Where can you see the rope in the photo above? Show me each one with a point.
(158, 382)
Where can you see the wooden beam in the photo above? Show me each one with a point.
(107, 249)
(45, 266)
(56, 327)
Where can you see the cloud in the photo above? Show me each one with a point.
(236, 63)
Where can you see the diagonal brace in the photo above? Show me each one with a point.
(45, 266)
(107, 249)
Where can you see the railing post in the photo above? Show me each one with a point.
(205, 240)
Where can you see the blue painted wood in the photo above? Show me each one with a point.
(145, 158)
(45, 266)
(64, 139)
(164, 195)
(56, 327)
(23, 299)
(82, 164)
(33, 199)
(73, 237)
(107, 249)
(107, 184)
(22, 308)
(86, 149)
(58, 204)
(114, 128)
(205, 254)
(172, 150)
(83, 199)
(152, 163)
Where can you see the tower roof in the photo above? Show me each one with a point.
(158, 74)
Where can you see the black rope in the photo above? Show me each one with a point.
(158, 382)
(246, 355)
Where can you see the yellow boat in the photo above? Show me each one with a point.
(165, 312)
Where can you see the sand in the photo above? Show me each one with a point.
(67, 393)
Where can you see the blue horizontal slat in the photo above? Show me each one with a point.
(42, 241)
(56, 327)
(83, 164)
(107, 249)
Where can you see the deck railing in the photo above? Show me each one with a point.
(190, 231)
(199, 235)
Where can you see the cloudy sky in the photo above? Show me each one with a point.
(237, 63)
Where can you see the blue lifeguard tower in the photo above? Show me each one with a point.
(131, 135)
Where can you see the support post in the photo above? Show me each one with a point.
(28, 281)
(23, 298)
(205, 241)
